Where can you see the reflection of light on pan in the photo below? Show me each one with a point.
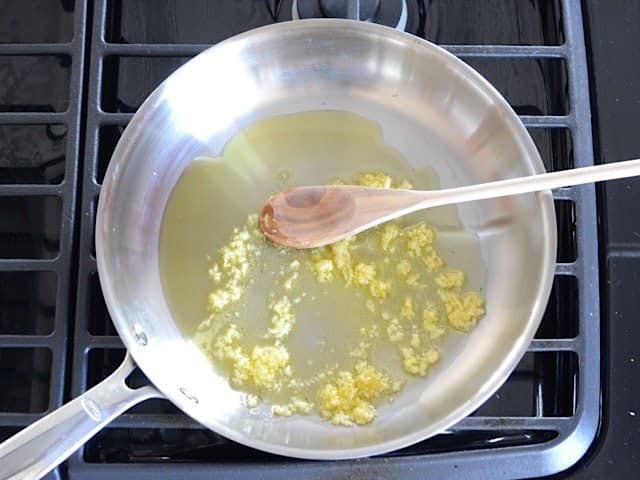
(212, 100)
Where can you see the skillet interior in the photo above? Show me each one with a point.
(432, 109)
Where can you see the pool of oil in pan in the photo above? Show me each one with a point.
(215, 195)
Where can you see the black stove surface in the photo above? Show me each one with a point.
(56, 338)
(613, 35)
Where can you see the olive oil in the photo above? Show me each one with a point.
(215, 195)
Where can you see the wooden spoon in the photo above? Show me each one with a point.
(306, 217)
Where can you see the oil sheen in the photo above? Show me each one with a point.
(333, 318)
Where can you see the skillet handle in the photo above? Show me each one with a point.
(39, 448)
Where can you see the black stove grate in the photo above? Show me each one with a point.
(541, 421)
(40, 105)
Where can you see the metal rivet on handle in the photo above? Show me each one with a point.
(141, 337)
(188, 395)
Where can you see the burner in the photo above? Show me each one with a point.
(392, 13)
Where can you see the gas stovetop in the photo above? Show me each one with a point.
(71, 75)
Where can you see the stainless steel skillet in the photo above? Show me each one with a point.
(431, 107)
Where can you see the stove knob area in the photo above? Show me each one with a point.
(392, 13)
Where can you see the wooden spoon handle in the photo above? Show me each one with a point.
(532, 183)
(307, 217)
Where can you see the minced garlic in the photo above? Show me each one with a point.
(416, 362)
(376, 180)
(323, 269)
(282, 320)
(450, 279)
(403, 267)
(296, 405)
(431, 260)
(379, 288)
(347, 398)
(463, 310)
(388, 234)
(418, 237)
(364, 273)
(408, 297)
(342, 259)
(395, 331)
(264, 367)
(413, 280)
(430, 323)
(288, 283)
(407, 309)
(236, 257)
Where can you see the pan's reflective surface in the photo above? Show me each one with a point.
(415, 92)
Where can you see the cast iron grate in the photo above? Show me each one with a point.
(545, 416)
(40, 103)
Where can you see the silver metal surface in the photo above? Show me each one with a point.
(433, 109)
